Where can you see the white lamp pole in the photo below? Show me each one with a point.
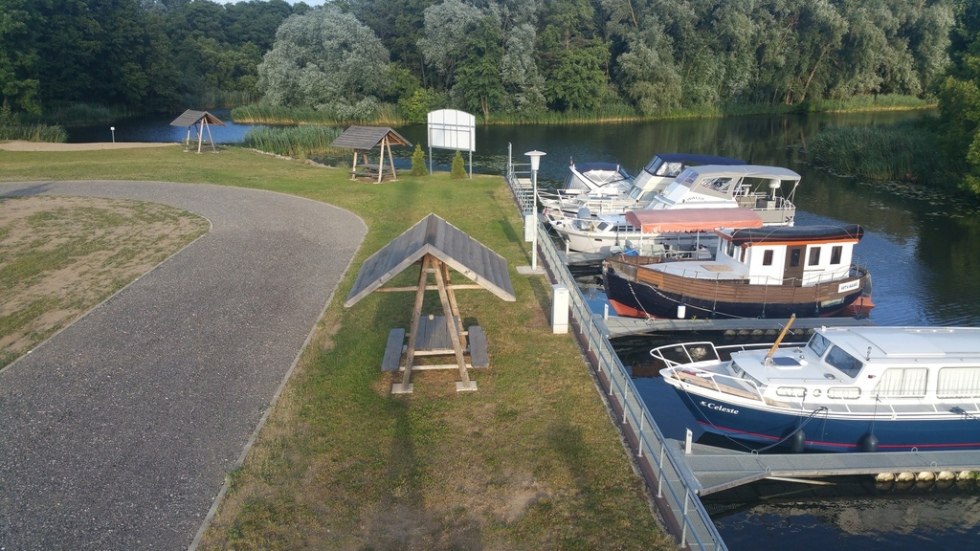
(535, 157)
(113, 130)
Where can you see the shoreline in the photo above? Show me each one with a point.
(23, 145)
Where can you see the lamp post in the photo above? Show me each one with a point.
(113, 130)
(535, 157)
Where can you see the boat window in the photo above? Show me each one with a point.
(767, 258)
(814, 256)
(818, 344)
(794, 257)
(730, 250)
(847, 364)
(958, 382)
(902, 382)
(844, 392)
(602, 226)
(654, 165)
(835, 254)
(670, 169)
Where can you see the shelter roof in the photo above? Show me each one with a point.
(690, 220)
(433, 235)
(191, 117)
(368, 137)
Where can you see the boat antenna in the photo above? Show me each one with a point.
(779, 339)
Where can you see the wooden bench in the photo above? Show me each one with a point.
(478, 347)
(393, 350)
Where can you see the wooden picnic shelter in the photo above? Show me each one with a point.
(203, 121)
(363, 139)
(435, 246)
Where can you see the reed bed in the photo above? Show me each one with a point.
(902, 152)
(267, 114)
(294, 141)
(33, 132)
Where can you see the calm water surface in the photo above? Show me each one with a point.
(923, 251)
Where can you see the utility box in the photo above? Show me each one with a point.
(529, 221)
(559, 309)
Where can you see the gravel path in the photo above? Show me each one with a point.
(117, 432)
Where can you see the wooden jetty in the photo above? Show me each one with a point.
(711, 469)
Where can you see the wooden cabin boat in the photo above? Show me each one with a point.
(767, 190)
(769, 272)
(847, 389)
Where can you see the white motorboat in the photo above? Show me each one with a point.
(847, 389)
(766, 190)
(653, 179)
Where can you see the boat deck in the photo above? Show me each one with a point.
(716, 469)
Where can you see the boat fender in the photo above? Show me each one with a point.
(868, 443)
(797, 441)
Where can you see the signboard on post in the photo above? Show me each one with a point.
(452, 129)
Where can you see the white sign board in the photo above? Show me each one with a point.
(452, 129)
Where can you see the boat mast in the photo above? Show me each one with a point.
(779, 339)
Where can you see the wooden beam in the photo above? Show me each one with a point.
(413, 331)
(453, 332)
(465, 286)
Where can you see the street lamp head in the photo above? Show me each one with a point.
(535, 159)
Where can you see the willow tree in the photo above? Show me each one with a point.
(326, 60)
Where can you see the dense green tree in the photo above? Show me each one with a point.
(443, 44)
(960, 94)
(327, 60)
(18, 56)
(478, 83)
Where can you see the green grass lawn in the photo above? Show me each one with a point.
(529, 461)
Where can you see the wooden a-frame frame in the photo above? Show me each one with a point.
(454, 323)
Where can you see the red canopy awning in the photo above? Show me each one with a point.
(689, 220)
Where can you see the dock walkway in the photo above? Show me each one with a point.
(616, 326)
(717, 469)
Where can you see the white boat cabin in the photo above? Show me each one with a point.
(768, 190)
(874, 363)
(785, 255)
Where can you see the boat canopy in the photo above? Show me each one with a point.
(792, 234)
(691, 220)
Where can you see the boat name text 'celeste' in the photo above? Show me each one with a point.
(719, 407)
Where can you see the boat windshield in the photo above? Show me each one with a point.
(847, 364)
(818, 345)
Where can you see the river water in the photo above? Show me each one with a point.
(923, 250)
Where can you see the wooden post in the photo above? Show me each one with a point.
(200, 134)
(414, 330)
(453, 305)
(391, 161)
(381, 162)
(208, 126)
(353, 167)
(454, 333)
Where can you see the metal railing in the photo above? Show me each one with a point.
(660, 464)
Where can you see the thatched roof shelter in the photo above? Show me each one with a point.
(365, 138)
(203, 120)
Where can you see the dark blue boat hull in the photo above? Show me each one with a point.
(821, 433)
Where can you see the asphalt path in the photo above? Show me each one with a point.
(117, 433)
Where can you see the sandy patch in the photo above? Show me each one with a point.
(19, 145)
(60, 256)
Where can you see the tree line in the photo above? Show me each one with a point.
(503, 57)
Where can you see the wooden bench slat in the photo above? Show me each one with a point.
(393, 350)
(478, 347)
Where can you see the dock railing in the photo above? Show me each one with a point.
(674, 492)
